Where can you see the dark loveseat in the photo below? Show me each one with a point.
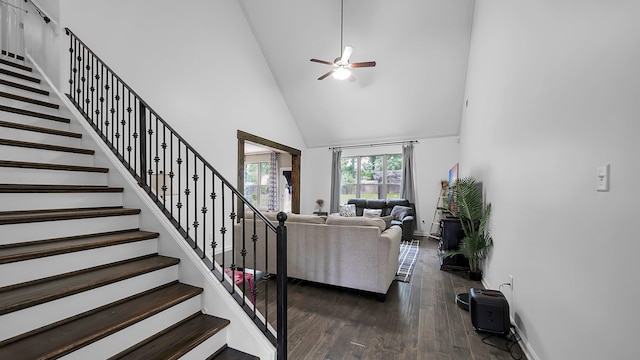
(401, 210)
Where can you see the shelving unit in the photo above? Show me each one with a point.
(438, 213)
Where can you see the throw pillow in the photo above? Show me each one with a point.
(372, 213)
(387, 220)
(399, 212)
(348, 210)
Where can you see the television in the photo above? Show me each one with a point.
(453, 177)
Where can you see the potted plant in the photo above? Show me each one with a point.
(474, 218)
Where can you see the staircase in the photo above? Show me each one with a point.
(78, 278)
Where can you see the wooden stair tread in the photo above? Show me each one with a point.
(39, 129)
(41, 248)
(21, 217)
(232, 354)
(23, 87)
(28, 100)
(33, 145)
(34, 114)
(15, 65)
(176, 340)
(21, 296)
(45, 166)
(27, 188)
(19, 75)
(67, 335)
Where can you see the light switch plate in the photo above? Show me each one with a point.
(602, 178)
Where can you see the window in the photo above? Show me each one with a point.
(371, 177)
(256, 184)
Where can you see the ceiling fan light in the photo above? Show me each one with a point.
(341, 73)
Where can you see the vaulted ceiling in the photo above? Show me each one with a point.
(416, 89)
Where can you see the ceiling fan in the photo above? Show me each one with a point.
(341, 65)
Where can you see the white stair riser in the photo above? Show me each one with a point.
(18, 80)
(18, 70)
(18, 153)
(137, 332)
(25, 105)
(207, 347)
(27, 270)
(30, 94)
(40, 315)
(38, 137)
(34, 121)
(10, 175)
(16, 233)
(43, 201)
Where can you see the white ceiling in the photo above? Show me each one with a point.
(416, 89)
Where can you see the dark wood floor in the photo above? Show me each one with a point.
(418, 320)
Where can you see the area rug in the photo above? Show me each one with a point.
(407, 259)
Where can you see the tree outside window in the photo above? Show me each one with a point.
(371, 177)
(256, 184)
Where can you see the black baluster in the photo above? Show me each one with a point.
(71, 55)
(164, 167)
(179, 162)
(171, 173)
(196, 223)
(130, 135)
(204, 212)
(143, 144)
(116, 116)
(214, 244)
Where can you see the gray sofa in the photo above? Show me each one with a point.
(356, 253)
(401, 211)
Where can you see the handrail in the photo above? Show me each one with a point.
(187, 188)
(41, 12)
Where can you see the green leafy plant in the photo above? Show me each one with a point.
(474, 218)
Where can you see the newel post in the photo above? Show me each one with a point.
(281, 281)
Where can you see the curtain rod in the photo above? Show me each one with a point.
(376, 144)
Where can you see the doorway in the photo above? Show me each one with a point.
(244, 141)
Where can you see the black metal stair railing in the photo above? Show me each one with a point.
(202, 205)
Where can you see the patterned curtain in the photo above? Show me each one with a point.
(336, 178)
(272, 202)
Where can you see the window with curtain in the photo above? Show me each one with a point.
(370, 177)
(256, 184)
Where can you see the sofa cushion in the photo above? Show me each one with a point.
(399, 212)
(348, 210)
(356, 221)
(391, 203)
(388, 220)
(372, 213)
(306, 219)
(376, 204)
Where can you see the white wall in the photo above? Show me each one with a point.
(552, 89)
(432, 160)
(197, 64)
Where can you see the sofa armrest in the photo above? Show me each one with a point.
(407, 228)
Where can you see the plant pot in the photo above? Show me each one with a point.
(475, 275)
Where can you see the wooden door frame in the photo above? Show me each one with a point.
(295, 166)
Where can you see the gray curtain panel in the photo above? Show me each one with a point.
(407, 188)
(336, 178)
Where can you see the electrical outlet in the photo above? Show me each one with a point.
(511, 282)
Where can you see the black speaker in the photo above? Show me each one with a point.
(489, 311)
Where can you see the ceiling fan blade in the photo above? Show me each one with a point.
(322, 62)
(363, 64)
(327, 74)
(346, 54)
